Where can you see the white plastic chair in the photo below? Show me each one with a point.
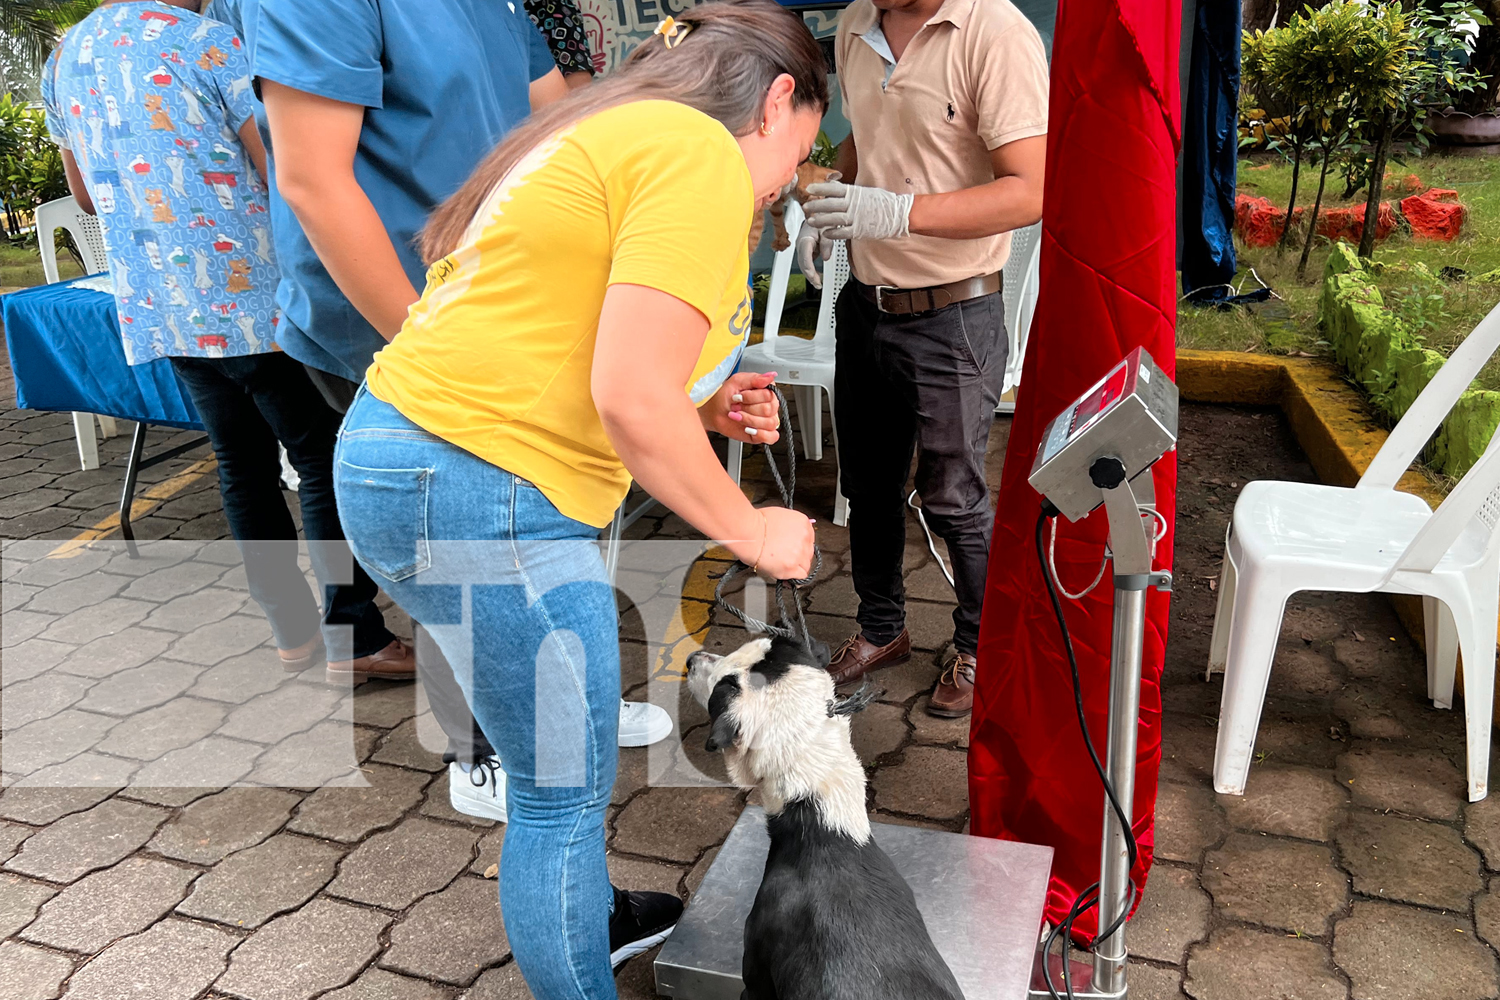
(1290, 537)
(88, 237)
(1022, 277)
(806, 365)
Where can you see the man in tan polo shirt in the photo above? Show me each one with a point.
(948, 99)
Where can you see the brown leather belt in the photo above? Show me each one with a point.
(909, 301)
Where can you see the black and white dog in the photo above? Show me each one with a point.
(833, 919)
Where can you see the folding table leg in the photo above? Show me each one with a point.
(127, 498)
(88, 444)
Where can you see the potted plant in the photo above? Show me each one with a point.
(1464, 48)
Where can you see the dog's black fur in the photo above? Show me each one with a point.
(834, 920)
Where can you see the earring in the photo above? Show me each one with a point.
(766, 129)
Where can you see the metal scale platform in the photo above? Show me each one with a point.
(981, 899)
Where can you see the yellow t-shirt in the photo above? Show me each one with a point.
(497, 356)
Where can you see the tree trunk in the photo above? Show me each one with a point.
(1312, 223)
(1377, 187)
(1286, 226)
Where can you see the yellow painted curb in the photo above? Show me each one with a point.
(1333, 422)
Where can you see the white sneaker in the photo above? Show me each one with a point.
(642, 724)
(478, 789)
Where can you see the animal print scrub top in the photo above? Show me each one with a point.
(150, 99)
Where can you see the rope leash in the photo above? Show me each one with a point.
(788, 490)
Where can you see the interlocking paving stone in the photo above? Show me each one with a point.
(676, 824)
(299, 955)
(29, 973)
(111, 654)
(11, 835)
(30, 658)
(172, 798)
(1237, 963)
(23, 626)
(251, 887)
(276, 715)
(349, 814)
(1275, 882)
(105, 618)
(695, 877)
(1482, 828)
(78, 844)
(40, 806)
(1371, 711)
(1290, 801)
(1364, 659)
(146, 686)
(52, 741)
(1423, 784)
(327, 754)
(452, 936)
(632, 773)
(928, 782)
(636, 979)
(104, 906)
(194, 610)
(652, 876)
(187, 577)
(392, 869)
(211, 829)
(905, 681)
(1187, 748)
(212, 762)
(40, 698)
(1487, 915)
(240, 678)
(87, 770)
(1410, 860)
(490, 849)
(384, 704)
(928, 728)
(504, 983)
(378, 984)
(403, 748)
(1149, 982)
(439, 805)
(1188, 822)
(46, 572)
(211, 644)
(1399, 953)
(1304, 673)
(175, 960)
(81, 592)
(1173, 914)
(20, 898)
(154, 732)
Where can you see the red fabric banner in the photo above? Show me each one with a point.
(1107, 286)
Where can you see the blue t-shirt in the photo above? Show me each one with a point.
(150, 98)
(442, 82)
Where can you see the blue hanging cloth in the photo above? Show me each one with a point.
(1210, 151)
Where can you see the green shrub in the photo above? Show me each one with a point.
(31, 167)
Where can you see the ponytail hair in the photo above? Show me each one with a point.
(722, 65)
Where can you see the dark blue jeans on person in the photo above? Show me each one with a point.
(927, 384)
(247, 405)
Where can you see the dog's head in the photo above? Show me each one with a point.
(774, 714)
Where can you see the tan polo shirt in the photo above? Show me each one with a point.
(972, 79)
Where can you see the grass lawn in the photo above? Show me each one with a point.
(21, 266)
(1443, 311)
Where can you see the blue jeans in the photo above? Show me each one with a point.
(517, 598)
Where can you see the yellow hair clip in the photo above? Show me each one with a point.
(672, 32)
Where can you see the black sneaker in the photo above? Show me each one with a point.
(641, 921)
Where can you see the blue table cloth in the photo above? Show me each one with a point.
(66, 355)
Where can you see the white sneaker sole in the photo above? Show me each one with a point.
(626, 952)
(658, 732)
(479, 806)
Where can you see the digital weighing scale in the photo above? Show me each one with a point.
(982, 899)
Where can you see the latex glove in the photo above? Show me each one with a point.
(812, 245)
(855, 212)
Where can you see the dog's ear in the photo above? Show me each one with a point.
(724, 731)
(821, 653)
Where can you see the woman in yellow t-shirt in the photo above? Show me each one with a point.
(584, 312)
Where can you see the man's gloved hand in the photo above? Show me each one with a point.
(812, 245)
(855, 212)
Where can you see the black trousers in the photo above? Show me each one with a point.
(924, 385)
(466, 741)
